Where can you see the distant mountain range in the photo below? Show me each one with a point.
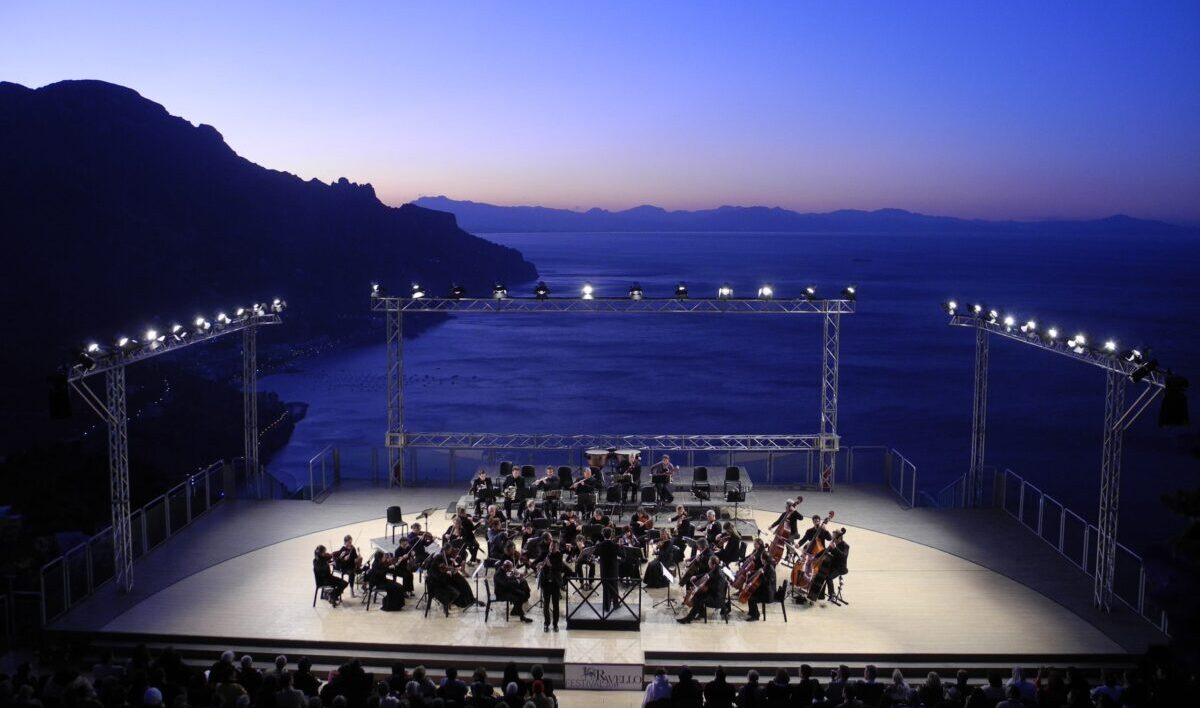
(488, 218)
(117, 215)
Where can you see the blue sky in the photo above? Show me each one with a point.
(994, 110)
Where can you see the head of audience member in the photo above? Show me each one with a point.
(870, 673)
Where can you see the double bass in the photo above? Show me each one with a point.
(801, 579)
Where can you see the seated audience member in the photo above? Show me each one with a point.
(849, 699)
(687, 691)
(453, 690)
(658, 693)
(539, 699)
(931, 692)
(719, 693)
(778, 691)
(898, 691)
(1012, 698)
(248, 676)
(750, 695)
(869, 690)
(808, 690)
(303, 679)
(1108, 689)
(288, 696)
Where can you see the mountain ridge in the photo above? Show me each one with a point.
(484, 218)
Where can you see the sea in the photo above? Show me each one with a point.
(905, 374)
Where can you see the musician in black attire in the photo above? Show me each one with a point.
(630, 470)
(813, 532)
(405, 562)
(765, 592)
(609, 554)
(347, 558)
(712, 595)
(325, 577)
(597, 519)
(516, 497)
(550, 491)
(588, 484)
(731, 551)
(468, 526)
(664, 557)
(551, 569)
(663, 468)
(377, 578)
(790, 517)
(712, 526)
(698, 565)
(449, 586)
(569, 530)
(482, 490)
(512, 588)
(833, 566)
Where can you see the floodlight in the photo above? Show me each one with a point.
(1052, 333)
(377, 290)
(1144, 370)
(586, 291)
(1029, 327)
(541, 292)
(951, 306)
(810, 292)
(635, 292)
(278, 305)
(681, 291)
(724, 292)
(977, 308)
(201, 325)
(457, 292)
(1009, 321)
(850, 292)
(766, 292)
(1110, 346)
(499, 292)
(417, 291)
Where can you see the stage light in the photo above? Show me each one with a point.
(810, 292)
(499, 292)
(1029, 327)
(1009, 321)
(84, 361)
(201, 325)
(635, 292)
(586, 291)
(259, 309)
(850, 292)
(417, 291)
(93, 348)
(1110, 346)
(1132, 355)
(222, 319)
(951, 306)
(128, 345)
(541, 292)
(377, 290)
(993, 316)
(278, 305)
(766, 292)
(1144, 370)
(153, 337)
(681, 291)
(977, 309)
(457, 292)
(240, 314)
(178, 332)
(1052, 333)
(1078, 343)
(724, 292)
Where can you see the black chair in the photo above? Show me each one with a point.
(564, 478)
(529, 472)
(700, 486)
(371, 594)
(505, 468)
(491, 597)
(733, 476)
(395, 518)
(319, 588)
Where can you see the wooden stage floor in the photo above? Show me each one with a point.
(246, 572)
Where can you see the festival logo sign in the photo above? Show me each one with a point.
(604, 677)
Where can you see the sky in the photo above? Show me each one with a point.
(1010, 109)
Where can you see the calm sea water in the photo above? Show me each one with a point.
(906, 376)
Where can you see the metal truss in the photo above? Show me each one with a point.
(112, 410)
(250, 404)
(831, 338)
(541, 441)
(973, 489)
(1119, 372)
(464, 305)
(395, 396)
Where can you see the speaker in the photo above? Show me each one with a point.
(60, 397)
(1174, 410)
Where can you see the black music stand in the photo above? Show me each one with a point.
(671, 603)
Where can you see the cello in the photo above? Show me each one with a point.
(802, 578)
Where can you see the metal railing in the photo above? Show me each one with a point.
(1073, 536)
(84, 568)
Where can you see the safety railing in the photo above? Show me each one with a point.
(1075, 538)
(323, 472)
(602, 600)
(82, 569)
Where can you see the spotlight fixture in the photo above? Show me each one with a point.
(1029, 327)
(1078, 343)
(1052, 333)
(128, 345)
(1132, 355)
(278, 305)
(1110, 346)
(724, 292)
(259, 309)
(1009, 322)
(222, 319)
(84, 360)
(457, 292)
(499, 292)
(635, 292)
(977, 309)
(377, 290)
(586, 291)
(951, 306)
(417, 291)
(681, 291)
(850, 292)
(154, 338)
(1144, 370)
(810, 292)
(766, 292)
(240, 313)
(541, 292)
(201, 325)
(993, 316)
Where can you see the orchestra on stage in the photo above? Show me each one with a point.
(529, 537)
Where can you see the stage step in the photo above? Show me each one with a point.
(376, 658)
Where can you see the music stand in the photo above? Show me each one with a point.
(737, 495)
(671, 603)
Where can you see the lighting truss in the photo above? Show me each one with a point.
(1120, 369)
(613, 305)
(541, 441)
(112, 410)
(826, 443)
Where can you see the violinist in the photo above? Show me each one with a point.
(641, 523)
(377, 579)
(482, 490)
(598, 519)
(420, 542)
(447, 584)
(712, 526)
(513, 589)
(789, 518)
(347, 558)
(325, 577)
(709, 591)
(684, 531)
(403, 564)
(532, 511)
(494, 512)
(729, 542)
(570, 529)
(664, 557)
(468, 526)
(551, 569)
(631, 554)
(765, 592)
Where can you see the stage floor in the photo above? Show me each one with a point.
(906, 597)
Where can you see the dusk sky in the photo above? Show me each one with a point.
(997, 110)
